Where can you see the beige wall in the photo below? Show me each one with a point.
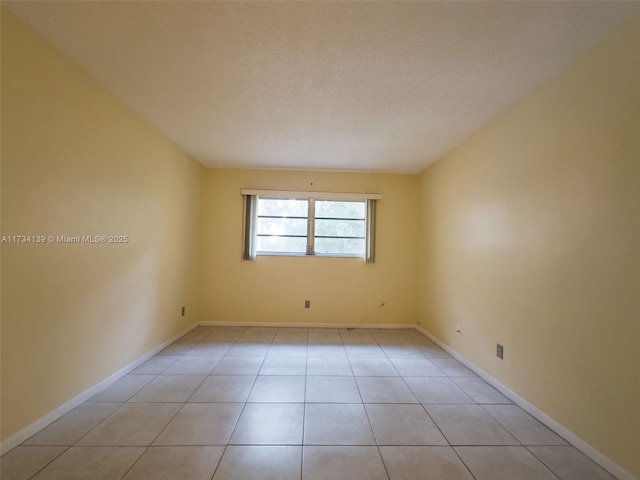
(341, 290)
(530, 234)
(76, 162)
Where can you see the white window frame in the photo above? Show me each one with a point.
(250, 216)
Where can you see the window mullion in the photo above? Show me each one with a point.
(311, 226)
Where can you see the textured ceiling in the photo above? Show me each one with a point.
(379, 86)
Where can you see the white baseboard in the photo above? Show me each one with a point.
(402, 326)
(27, 432)
(602, 460)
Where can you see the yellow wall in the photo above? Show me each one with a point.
(77, 162)
(341, 290)
(530, 233)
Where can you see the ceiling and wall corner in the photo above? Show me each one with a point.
(354, 86)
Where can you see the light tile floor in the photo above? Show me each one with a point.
(239, 403)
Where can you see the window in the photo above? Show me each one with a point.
(282, 226)
(339, 227)
(300, 223)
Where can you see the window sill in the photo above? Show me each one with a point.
(321, 255)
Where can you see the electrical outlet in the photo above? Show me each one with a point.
(500, 352)
(307, 304)
(183, 311)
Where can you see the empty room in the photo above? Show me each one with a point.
(320, 240)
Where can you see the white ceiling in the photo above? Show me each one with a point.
(380, 86)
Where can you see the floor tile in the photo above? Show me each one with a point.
(523, 426)
(224, 388)
(437, 390)
(260, 463)
(452, 368)
(336, 424)
(291, 336)
(22, 463)
(287, 350)
(357, 335)
(324, 336)
(284, 366)
(416, 367)
(359, 351)
(570, 464)
(194, 336)
(96, 463)
(385, 390)
(325, 350)
(123, 389)
(401, 351)
(238, 366)
(415, 336)
(329, 366)
(424, 463)
(315, 403)
(433, 351)
(269, 423)
(403, 425)
(375, 367)
(171, 463)
(332, 389)
(262, 330)
(156, 365)
(480, 391)
(193, 365)
(389, 337)
(169, 388)
(249, 349)
(503, 463)
(201, 424)
(178, 348)
(71, 427)
(133, 424)
(222, 336)
(209, 349)
(468, 425)
(283, 389)
(255, 336)
(342, 463)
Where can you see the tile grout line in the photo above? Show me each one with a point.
(146, 449)
(122, 404)
(373, 432)
(304, 408)
(546, 466)
(67, 447)
(463, 462)
(224, 451)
